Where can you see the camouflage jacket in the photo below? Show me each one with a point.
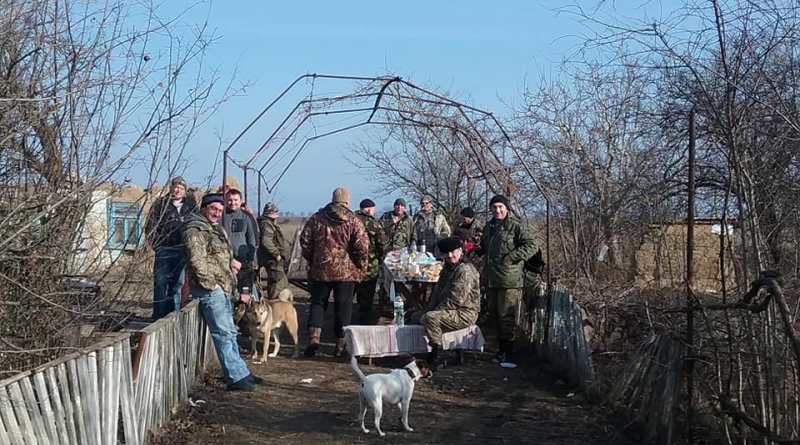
(506, 245)
(376, 243)
(397, 235)
(209, 255)
(271, 254)
(459, 289)
(430, 228)
(335, 244)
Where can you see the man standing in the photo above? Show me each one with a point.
(163, 231)
(365, 290)
(212, 279)
(242, 233)
(336, 247)
(468, 223)
(429, 226)
(397, 227)
(456, 297)
(506, 245)
(271, 254)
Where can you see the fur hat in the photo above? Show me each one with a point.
(366, 203)
(341, 196)
(447, 245)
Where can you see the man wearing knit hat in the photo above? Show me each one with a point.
(365, 290)
(506, 245)
(212, 273)
(336, 247)
(163, 232)
(468, 222)
(456, 299)
(397, 226)
(271, 255)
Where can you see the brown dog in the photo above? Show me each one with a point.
(264, 317)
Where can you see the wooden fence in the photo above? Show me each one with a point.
(80, 398)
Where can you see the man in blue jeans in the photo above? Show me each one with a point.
(212, 278)
(163, 230)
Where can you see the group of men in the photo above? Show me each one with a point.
(220, 248)
(344, 250)
(227, 253)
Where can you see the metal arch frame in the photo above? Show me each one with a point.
(470, 132)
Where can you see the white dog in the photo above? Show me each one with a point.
(396, 387)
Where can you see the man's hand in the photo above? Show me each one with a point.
(245, 298)
(507, 261)
(236, 266)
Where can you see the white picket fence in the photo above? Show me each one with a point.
(80, 398)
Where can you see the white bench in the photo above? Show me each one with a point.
(391, 340)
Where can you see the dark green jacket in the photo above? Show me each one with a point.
(376, 243)
(271, 255)
(506, 244)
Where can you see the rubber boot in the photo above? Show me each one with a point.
(339, 350)
(314, 335)
(433, 357)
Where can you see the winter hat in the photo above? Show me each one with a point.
(341, 196)
(467, 212)
(270, 208)
(178, 180)
(211, 198)
(366, 203)
(499, 198)
(447, 245)
(400, 201)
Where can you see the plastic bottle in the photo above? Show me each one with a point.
(399, 312)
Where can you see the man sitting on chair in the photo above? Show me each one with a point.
(456, 299)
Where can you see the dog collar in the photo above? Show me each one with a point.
(410, 373)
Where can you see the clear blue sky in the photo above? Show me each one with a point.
(480, 52)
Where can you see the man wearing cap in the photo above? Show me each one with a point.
(271, 255)
(456, 299)
(336, 247)
(429, 226)
(506, 245)
(243, 235)
(397, 227)
(163, 232)
(212, 279)
(468, 222)
(365, 290)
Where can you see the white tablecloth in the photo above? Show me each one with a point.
(388, 340)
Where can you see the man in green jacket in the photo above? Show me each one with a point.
(271, 254)
(397, 227)
(506, 245)
(365, 290)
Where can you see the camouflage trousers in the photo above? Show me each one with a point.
(273, 281)
(436, 322)
(503, 306)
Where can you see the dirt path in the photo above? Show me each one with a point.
(475, 403)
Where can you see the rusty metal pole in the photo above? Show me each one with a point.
(245, 186)
(259, 193)
(690, 282)
(224, 176)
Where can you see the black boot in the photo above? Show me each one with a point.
(433, 357)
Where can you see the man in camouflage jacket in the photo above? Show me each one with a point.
(271, 255)
(365, 290)
(506, 245)
(336, 247)
(397, 227)
(212, 279)
(429, 226)
(456, 297)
